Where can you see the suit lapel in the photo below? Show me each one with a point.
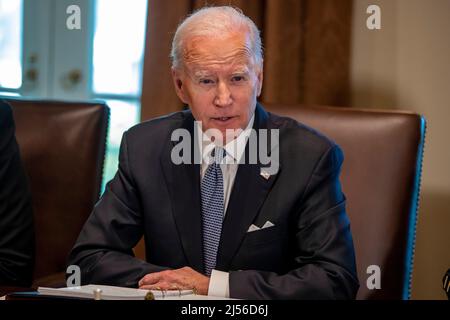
(250, 189)
(183, 182)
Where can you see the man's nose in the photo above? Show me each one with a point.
(223, 95)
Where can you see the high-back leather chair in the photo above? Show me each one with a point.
(62, 145)
(381, 179)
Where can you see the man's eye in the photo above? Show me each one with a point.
(237, 78)
(206, 81)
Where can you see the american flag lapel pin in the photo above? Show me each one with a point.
(264, 174)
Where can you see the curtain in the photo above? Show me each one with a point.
(306, 51)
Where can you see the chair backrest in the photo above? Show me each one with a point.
(62, 145)
(381, 179)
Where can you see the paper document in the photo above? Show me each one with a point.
(102, 292)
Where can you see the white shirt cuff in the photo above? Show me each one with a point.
(219, 285)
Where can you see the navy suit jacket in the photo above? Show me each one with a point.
(307, 254)
(16, 215)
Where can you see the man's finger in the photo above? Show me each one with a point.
(150, 279)
(157, 286)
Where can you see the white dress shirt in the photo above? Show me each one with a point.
(219, 281)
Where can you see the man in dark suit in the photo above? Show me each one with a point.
(16, 216)
(223, 226)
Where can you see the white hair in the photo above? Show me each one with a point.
(213, 21)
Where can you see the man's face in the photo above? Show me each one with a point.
(219, 81)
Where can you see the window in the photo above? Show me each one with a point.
(38, 53)
(118, 47)
(119, 38)
(10, 45)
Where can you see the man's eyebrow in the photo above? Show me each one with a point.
(201, 74)
(241, 70)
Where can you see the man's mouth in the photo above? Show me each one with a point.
(222, 119)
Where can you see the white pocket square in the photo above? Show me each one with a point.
(267, 224)
(253, 227)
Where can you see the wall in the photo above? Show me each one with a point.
(406, 65)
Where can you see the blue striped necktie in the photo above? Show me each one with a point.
(212, 209)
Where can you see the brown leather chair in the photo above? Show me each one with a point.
(62, 145)
(381, 179)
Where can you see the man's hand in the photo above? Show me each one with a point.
(178, 279)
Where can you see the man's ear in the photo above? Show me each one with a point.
(178, 78)
(260, 76)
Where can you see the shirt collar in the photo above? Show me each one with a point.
(234, 149)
